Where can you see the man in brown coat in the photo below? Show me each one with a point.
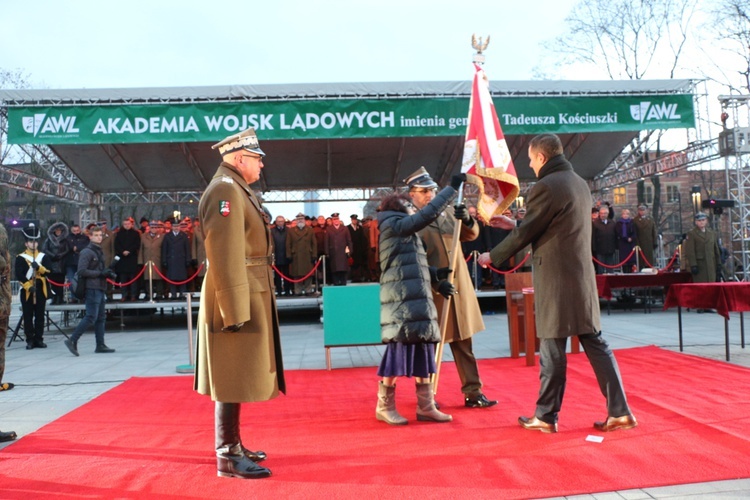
(645, 236)
(151, 243)
(566, 300)
(302, 250)
(239, 351)
(701, 252)
(464, 315)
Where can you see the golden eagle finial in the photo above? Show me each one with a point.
(480, 46)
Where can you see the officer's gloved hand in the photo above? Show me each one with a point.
(694, 270)
(109, 273)
(443, 273)
(457, 180)
(462, 213)
(446, 288)
(35, 265)
(719, 273)
(194, 262)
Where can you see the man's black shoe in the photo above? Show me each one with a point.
(480, 401)
(72, 346)
(40, 344)
(103, 348)
(29, 347)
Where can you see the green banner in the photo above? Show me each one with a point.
(340, 118)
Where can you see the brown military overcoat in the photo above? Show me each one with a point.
(701, 249)
(301, 247)
(465, 317)
(242, 366)
(151, 251)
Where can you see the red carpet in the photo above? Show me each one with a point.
(153, 438)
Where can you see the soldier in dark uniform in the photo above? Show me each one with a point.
(32, 266)
(239, 350)
(5, 301)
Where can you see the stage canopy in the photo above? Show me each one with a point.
(329, 136)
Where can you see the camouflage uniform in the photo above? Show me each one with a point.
(5, 295)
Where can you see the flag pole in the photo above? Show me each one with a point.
(453, 259)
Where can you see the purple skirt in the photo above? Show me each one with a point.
(408, 360)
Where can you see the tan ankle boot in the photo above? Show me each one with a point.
(386, 409)
(426, 410)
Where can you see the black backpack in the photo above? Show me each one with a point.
(78, 286)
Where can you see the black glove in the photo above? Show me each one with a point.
(443, 273)
(35, 265)
(108, 273)
(232, 328)
(462, 213)
(446, 288)
(719, 273)
(194, 263)
(694, 270)
(457, 180)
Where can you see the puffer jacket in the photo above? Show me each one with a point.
(407, 311)
(57, 247)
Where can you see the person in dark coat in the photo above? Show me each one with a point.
(408, 317)
(339, 245)
(645, 236)
(281, 261)
(127, 245)
(77, 241)
(603, 240)
(56, 248)
(175, 258)
(557, 224)
(358, 250)
(625, 230)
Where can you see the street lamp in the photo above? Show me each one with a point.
(695, 192)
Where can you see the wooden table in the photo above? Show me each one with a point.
(724, 297)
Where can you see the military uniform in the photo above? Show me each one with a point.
(151, 251)
(645, 237)
(302, 250)
(5, 295)
(31, 268)
(701, 254)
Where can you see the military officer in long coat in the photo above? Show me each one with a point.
(645, 235)
(301, 249)
(151, 244)
(464, 315)
(701, 253)
(5, 308)
(566, 300)
(239, 351)
(338, 243)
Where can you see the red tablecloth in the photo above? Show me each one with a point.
(724, 297)
(606, 282)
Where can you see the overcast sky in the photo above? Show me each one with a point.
(160, 43)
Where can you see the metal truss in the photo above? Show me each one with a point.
(352, 194)
(735, 149)
(153, 198)
(30, 183)
(697, 153)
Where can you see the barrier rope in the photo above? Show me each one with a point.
(113, 282)
(616, 265)
(300, 280)
(200, 268)
(64, 285)
(669, 264)
(520, 265)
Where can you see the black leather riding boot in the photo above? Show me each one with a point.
(231, 458)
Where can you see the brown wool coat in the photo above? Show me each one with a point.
(701, 249)
(151, 251)
(465, 317)
(243, 366)
(558, 226)
(301, 247)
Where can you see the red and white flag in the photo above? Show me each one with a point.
(487, 162)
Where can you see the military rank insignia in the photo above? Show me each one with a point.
(224, 207)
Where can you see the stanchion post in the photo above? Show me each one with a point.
(151, 281)
(190, 368)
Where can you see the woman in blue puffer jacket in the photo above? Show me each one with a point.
(408, 317)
